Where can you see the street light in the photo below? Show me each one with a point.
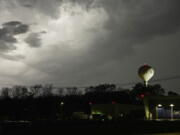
(62, 103)
(61, 109)
(172, 107)
(158, 106)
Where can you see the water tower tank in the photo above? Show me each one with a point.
(146, 72)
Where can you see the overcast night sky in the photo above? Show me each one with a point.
(87, 42)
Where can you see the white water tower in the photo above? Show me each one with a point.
(146, 72)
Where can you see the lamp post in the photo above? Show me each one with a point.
(172, 110)
(158, 106)
(61, 104)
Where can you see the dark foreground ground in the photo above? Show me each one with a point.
(123, 127)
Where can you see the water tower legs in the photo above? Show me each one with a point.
(146, 83)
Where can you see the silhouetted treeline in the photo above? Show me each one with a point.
(49, 102)
(140, 90)
(49, 90)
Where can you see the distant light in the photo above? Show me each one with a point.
(113, 102)
(90, 103)
(97, 112)
(142, 96)
(171, 105)
(121, 115)
(62, 103)
(159, 105)
(109, 117)
(90, 117)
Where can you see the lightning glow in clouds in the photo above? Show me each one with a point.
(87, 42)
(64, 39)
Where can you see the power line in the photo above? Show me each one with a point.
(155, 80)
(166, 79)
(118, 84)
(132, 83)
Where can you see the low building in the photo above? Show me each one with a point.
(162, 107)
(118, 111)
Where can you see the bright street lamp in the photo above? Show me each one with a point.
(172, 107)
(62, 103)
(158, 106)
(61, 109)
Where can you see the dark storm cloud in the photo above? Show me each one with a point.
(133, 22)
(15, 27)
(112, 53)
(6, 46)
(34, 40)
(50, 7)
(8, 32)
(47, 7)
(86, 4)
(130, 23)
